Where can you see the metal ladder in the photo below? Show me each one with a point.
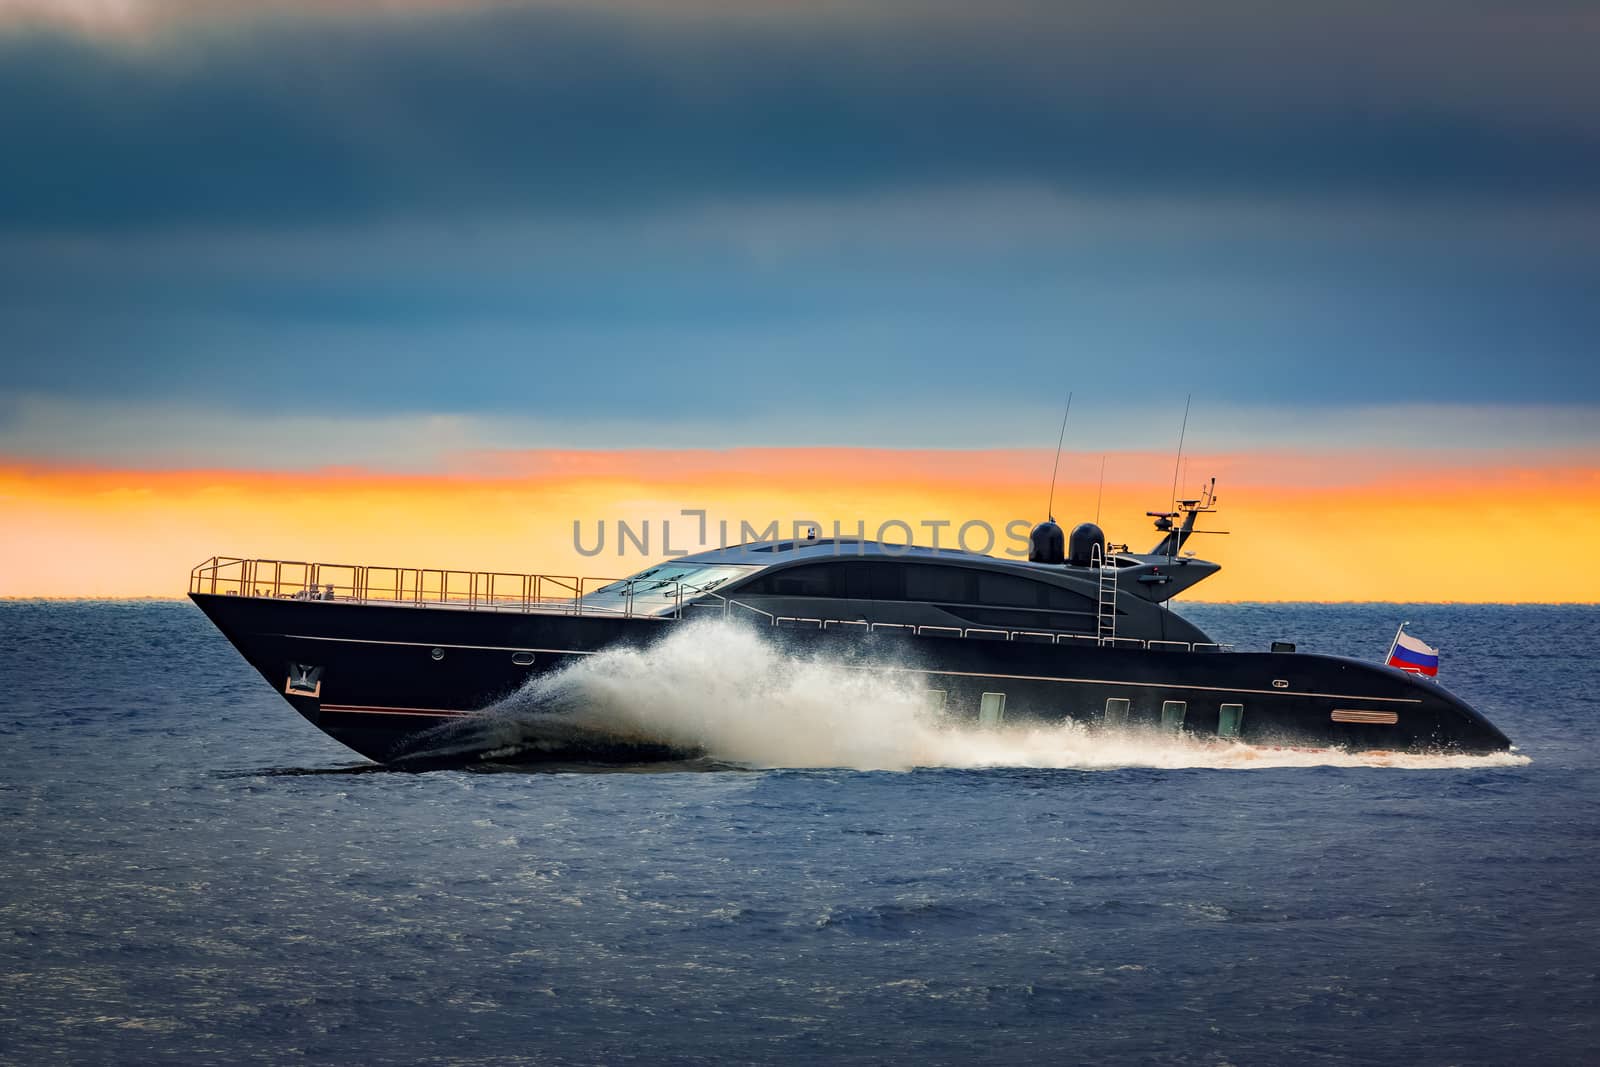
(1106, 614)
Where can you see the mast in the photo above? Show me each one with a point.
(1395, 642)
(1173, 542)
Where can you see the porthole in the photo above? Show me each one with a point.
(437, 654)
(522, 659)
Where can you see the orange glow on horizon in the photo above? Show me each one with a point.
(1346, 526)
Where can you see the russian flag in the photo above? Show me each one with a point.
(1410, 654)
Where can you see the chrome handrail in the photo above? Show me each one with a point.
(345, 583)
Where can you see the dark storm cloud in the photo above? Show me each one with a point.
(646, 212)
(538, 111)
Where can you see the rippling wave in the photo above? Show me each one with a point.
(164, 903)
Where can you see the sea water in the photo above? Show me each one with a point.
(191, 873)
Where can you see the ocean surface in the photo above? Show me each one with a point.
(191, 873)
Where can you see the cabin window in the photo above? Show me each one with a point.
(1230, 720)
(864, 580)
(811, 579)
(936, 583)
(935, 698)
(992, 709)
(857, 579)
(1117, 711)
(1172, 712)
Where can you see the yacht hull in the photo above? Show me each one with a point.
(376, 678)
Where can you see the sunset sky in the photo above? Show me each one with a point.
(424, 282)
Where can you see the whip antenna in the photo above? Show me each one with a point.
(1049, 508)
(1100, 494)
(1179, 459)
(1184, 429)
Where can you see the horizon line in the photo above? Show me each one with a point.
(160, 598)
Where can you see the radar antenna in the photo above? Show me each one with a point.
(1174, 535)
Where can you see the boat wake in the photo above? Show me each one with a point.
(715, 691)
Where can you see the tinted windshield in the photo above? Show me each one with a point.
(662, 587)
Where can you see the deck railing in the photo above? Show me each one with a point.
(366, 584)
(343, 583)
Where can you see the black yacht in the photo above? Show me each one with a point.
(376, 656)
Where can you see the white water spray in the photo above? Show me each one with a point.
(719, 688)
